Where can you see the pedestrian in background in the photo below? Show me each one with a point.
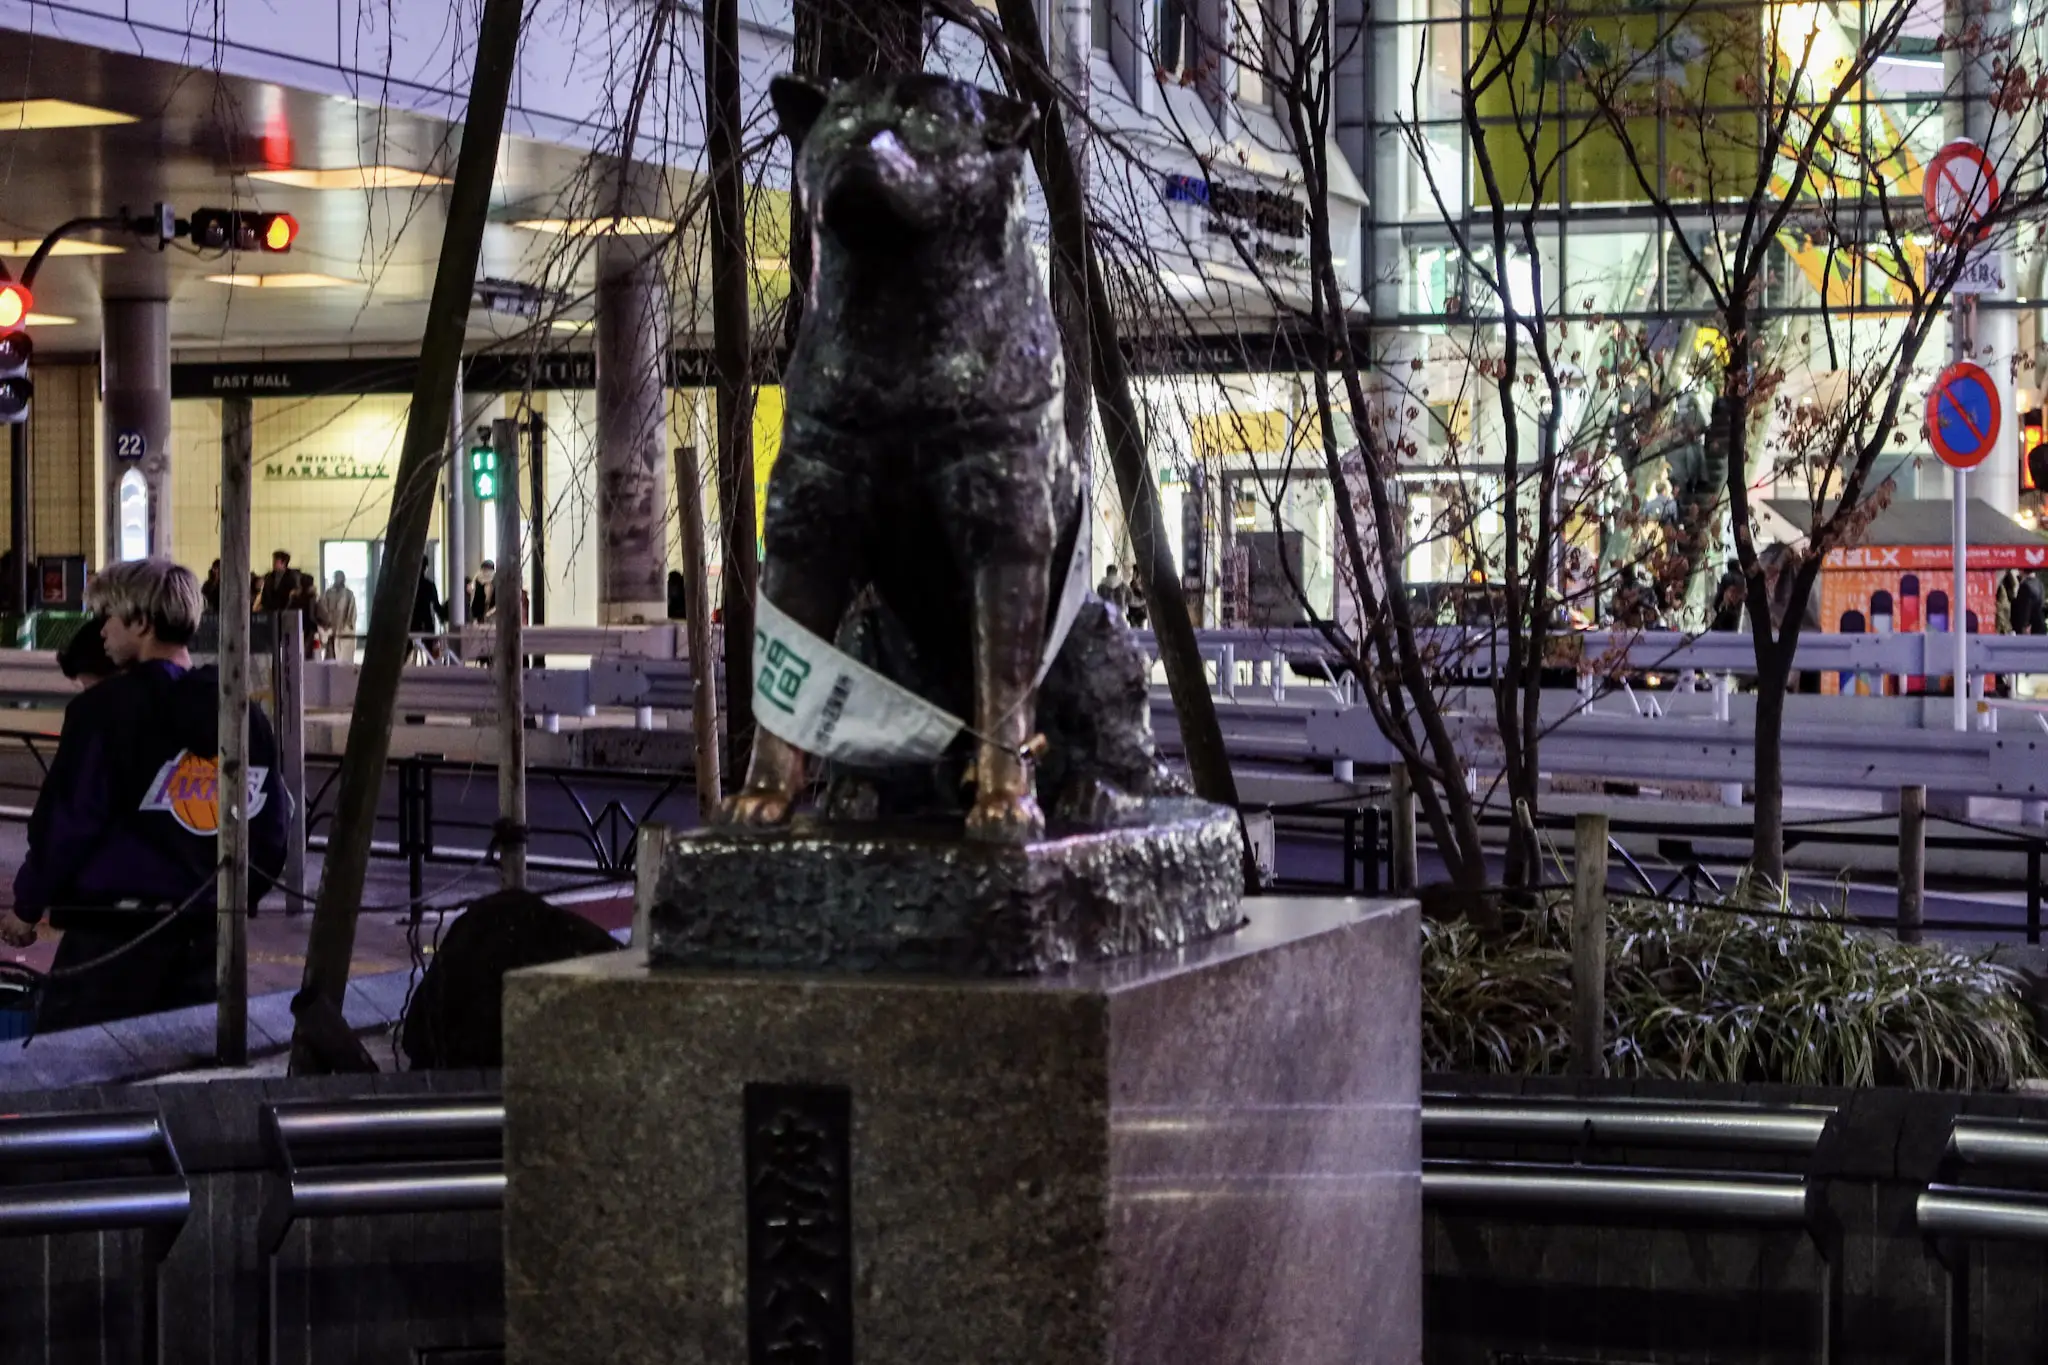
(1111, 588)
(483, 593)
(278, 586)
(339, 604)
(313, 620)
(428, 614)
(483, 602)
(84, 657)
(125, 828)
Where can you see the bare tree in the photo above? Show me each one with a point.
(1750, 139)
(1517, 485)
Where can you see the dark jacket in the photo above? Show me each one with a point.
(427, 611)
(2027, 615)
(278, 587)
(115, 820)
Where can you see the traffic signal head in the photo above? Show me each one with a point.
(15, 388)
(483, 473)
(243, 230)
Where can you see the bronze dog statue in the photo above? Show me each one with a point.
(923, 469)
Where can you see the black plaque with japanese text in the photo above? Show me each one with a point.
(799, 1224)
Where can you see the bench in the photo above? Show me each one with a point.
(1966, 1204)
(403, 1154)
(1587, 1183)
(97, 1172)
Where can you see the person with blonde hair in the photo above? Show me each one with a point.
(123, 842)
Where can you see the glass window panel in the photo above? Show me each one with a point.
(1441, 179)
(1177, 46)
(1611, 271)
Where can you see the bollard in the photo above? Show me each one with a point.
(1589, 945)
(1912, 862)
(1401, 874)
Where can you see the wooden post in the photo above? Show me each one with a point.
(288, 717)
(1401, 873)
(1912, 862)
(511, 667)
(703, 662)
(231, 896)
(1589, 945)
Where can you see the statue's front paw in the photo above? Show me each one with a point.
(1006, 820)
(757, 808)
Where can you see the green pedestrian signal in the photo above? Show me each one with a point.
(483, 473)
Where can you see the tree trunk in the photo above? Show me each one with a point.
(331, 941)
(1767, 852)
(732, 347)
(1074, 260)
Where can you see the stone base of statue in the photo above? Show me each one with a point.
(909, 897)
(1207, 1153)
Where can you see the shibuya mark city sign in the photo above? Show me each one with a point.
(325, 467)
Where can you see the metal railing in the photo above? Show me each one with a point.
(604, 809)
(355, 1158)
(88, 1183)
(1584, 1180)
(1967, 1203)
(1678, 844)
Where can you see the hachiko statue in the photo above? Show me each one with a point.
(923, 474)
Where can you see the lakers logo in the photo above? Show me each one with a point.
(188, 788)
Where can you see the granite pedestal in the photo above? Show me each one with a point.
(1210, 1154)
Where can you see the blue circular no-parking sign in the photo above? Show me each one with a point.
(1963, 415)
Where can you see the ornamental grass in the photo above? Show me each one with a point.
(1735, 991)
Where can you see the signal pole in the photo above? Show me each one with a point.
(17, 511)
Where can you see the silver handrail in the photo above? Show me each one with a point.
(2013, 1143)
(1793, 1129)
(1763, 1199)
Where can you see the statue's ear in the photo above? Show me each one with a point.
(797, 105)
(1006, 123)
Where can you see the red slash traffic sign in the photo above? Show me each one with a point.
(1960, 188)
(1963, 414)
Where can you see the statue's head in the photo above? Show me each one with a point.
(889, 162)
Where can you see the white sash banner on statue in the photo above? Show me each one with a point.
(810, 693)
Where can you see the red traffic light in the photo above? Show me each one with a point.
(280, 230)
(243, 230)
(15, 302)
